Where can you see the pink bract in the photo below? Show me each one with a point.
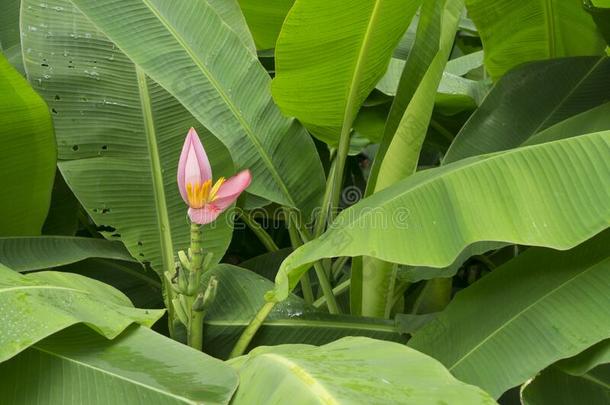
(194, 169)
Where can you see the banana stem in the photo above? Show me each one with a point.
(295, 241)
(195, 324)
(327, 289)
(247, 335)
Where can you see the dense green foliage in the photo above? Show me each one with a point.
(426, 221)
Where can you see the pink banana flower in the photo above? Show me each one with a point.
(206, 201)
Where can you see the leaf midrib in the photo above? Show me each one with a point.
(110, 373)
(523, 311)
(163, 224)
(309, 381)
(589, 377)
(549, 13)
(476, 161)
(244, 124)
(569, 94)
(348, 114)
(42, 287)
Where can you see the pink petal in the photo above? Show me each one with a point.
(231, 189)
(204, 215)
(193, 166)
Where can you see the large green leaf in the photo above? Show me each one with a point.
(188, 49)
(9, 24)
(26, 254)
(520, 196)
(265, 19)
(10, 43)
(402, 153)
(405, 45)
(600, 11)
(231, 13)
(119, 135)
(434, 38)
(266, 264)
(497, 337)
(518, 31)
(530, 99)
(593, 120)
(64, 212)
(369, 124)
(587, 360)
(106, 261)
(348, 371)
(240, 296)
(140, 366)
(453, 91)
(554, 387)
(324, 81)
(27, 155)
(40, 304)
(140, 284)
(465, 64)
(400, 150)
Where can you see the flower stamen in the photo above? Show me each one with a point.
(200, 194)
(216, 187)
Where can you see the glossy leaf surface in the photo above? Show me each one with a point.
(77, 367)
(529, 100)
(27, 156)
(520, 196)
(26, 254)
(323, 82)
(119, 135)
(554, 387)
(241, 294)
(518, 31)
(497, 337)
(345, 372)
(40, 304)
(203, 63)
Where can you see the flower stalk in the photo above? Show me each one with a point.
(195, 321)
(247, 335)
(190, 299)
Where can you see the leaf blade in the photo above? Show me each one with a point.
(226, 91)
(119, 135)
(379, 371)
(40, 304)
(514, 32)
(323, 82)
(78, 367)
(549, 290)
(430, 200)
(27, 254)
(554, 386)
(240, 295)
(513, 112)
(27, 163)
